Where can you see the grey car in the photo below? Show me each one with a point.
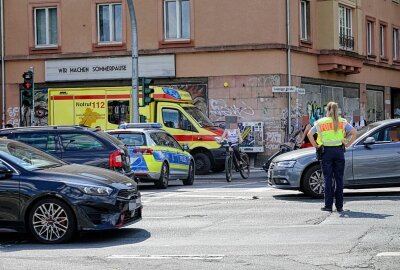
(372, 161)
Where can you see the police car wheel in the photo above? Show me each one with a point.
(203, 163)
(162, 182)
(190, 179)
(313, 182)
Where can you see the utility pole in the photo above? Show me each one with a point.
(134, 115)
(289, 67)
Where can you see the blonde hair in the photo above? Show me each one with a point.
(333, 110)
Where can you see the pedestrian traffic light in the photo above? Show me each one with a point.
(147, 91)
(28, 80)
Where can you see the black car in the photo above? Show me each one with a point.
(75, 144)
(53, 199)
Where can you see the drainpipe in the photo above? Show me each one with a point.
(289, 65)
(3, 103)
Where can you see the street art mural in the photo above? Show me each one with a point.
(219, 109)
(198, 93)
(41, 108)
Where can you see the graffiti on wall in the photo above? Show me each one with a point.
(219, 109)
(13, 116)
(198, 92)
(272, 140)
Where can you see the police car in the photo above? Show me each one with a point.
(155, 155)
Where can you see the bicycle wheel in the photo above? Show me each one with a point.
(245, 166)
(228, 168)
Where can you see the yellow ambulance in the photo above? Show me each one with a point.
(108, 107)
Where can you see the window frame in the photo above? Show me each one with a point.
(370, 37)
(111, 25)
(179, 16)
(306, 14)
(383, 41)
(396, 44)
(47, 27)
(347, 26)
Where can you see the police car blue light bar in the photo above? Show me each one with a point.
(139, 125)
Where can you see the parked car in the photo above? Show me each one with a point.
(53, 200)
(75, 144)
(373, 160)
(155, 155)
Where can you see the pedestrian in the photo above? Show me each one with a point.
(98, 128)
(331, 144)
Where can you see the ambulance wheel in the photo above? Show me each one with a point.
(162, 183)
(203, 163)
(190, 179)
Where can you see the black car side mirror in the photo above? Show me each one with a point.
(5, 172)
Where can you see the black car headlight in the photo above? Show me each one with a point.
(95, 190)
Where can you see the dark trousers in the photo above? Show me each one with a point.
(333, 166)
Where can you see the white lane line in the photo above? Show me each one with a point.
(169, 257)
(388, 254)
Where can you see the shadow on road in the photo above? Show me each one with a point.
(10, 242)
(355, 214)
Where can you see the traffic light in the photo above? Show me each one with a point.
(147, 91)
(28, 80)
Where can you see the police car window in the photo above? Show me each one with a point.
(157, 139)
(43, 141)
(80, 142)
(131, 139)
(172, 142)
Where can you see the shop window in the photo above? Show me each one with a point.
(118, 111)
(375, 109)
(176, 19)
(109, 23)
(46, 29)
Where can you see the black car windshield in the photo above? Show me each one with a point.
(199, 116)
(27, 157)
(130, 138)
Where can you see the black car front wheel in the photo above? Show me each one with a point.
(51, 221)
(313, 182)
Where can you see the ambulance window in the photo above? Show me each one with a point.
(175, 119)
(118, 111)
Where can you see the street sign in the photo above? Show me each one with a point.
(283, 89)
(301, 91)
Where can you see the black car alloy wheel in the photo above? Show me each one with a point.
(51, 221)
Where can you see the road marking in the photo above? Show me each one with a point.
(388, 254)
(169, 257)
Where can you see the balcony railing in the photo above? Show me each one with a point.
(346, 42)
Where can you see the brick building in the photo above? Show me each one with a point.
(228, 54)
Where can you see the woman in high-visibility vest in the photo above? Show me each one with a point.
(331, 142)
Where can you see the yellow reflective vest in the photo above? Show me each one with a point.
(327, 136)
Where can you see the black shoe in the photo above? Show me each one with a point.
(339, 210)
(326, 209)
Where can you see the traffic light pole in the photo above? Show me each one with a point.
(134, 115)
(33, 96)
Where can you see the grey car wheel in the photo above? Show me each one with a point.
(51, 221)
(313, 182)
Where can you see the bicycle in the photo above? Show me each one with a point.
(231, 161)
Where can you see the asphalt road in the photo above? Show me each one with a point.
(237, 225)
